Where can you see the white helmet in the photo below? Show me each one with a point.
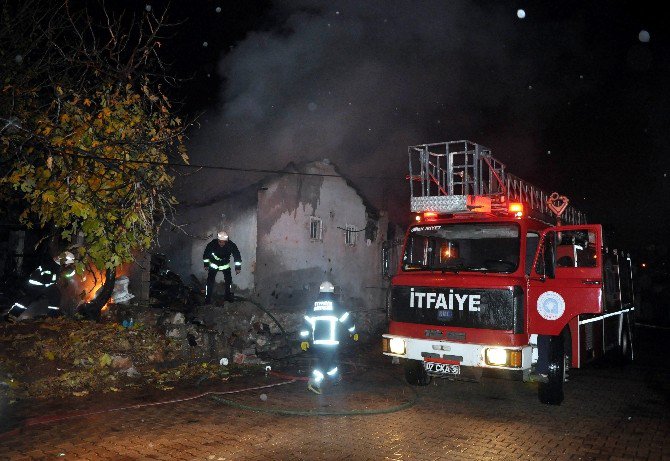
(66, 258)
(222, 236)
(327, 287)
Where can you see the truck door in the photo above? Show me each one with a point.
(566, 279)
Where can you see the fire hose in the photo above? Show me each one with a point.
(305, 412)
(49, 419)
(55, 418)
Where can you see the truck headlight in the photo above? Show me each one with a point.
(496, 356)
(397, 346)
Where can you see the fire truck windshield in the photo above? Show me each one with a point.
(482, 247)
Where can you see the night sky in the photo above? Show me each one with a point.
(573, 96)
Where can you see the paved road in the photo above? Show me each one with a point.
(608, 414)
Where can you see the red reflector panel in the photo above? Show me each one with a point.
(438, 360)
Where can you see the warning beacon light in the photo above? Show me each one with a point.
(516, 209)
(429, 216)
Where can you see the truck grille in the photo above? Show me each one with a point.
(495, 309)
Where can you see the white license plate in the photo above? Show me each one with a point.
(442, 368)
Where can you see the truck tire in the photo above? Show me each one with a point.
(625, 351)
(415, 374)
(551, 392)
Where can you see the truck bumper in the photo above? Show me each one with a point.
(466, 355)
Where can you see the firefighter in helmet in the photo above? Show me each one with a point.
(217, 258)
(325, 327)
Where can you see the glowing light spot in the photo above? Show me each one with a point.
(218, 9)
(148, 7)
(18, 59)
(643, 36)
(520, 14)
(205, 44)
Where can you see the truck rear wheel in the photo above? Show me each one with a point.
(551, 392)
(415, 374)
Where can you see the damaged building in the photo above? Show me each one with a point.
(294, 230)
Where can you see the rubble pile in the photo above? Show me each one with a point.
(61, 357)
(239, 330)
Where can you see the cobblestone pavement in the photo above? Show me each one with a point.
(609, 413)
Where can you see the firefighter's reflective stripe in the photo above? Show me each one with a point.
(38, 283)
(216, 257)
(332, 372)
(238, 264)
(327, 342)
(70, 274)
(304, 333)
(352, 329)
(332, 323)
(344, 317)
(318, 376)
(219, 268)
(19, 305)
(54, 308)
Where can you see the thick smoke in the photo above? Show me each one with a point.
(357, 82)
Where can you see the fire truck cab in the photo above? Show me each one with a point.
(500, 279)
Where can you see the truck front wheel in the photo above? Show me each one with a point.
(625, 349)
(415, 374)
(551, 392)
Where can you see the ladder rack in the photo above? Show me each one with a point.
(449, 177)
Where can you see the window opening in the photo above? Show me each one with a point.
(315, 228)
(350, 235)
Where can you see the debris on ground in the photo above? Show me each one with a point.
(65, 357)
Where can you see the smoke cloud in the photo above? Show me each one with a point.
(357, 82)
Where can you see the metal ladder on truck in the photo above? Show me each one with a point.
(462, 176)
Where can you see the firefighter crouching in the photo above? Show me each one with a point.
(217, 258)
(325, 326)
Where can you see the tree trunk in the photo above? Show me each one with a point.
(91, 310)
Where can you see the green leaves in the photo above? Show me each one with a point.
(75, 160)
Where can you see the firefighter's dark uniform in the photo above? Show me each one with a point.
(217, 258)
(42, 293)
(325, 327)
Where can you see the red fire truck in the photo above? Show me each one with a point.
(500, 279)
